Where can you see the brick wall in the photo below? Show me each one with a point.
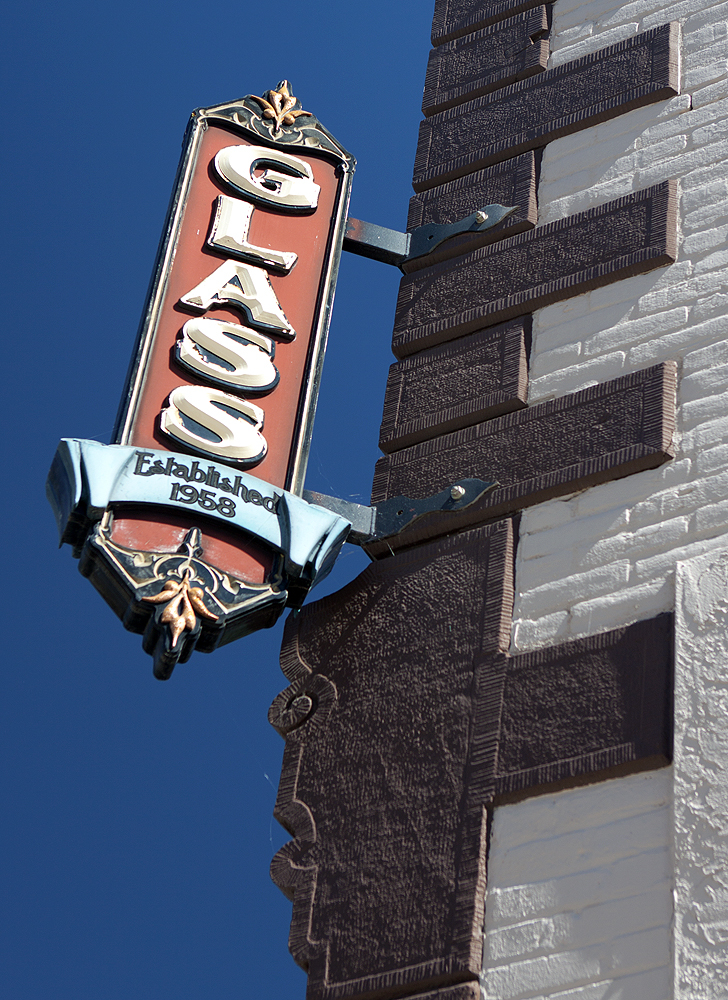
(582, 884)
(606, 557)
(580, 893)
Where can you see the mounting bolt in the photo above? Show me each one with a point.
(481, 217)
(457, 492)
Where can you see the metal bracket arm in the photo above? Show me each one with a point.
(392, 247)
(391, 516)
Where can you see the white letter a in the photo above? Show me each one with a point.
(247, 288)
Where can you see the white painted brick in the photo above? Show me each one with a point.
(552, 326)
(699, 410)
(589, 197)
(706, 74)
(579, 31)
(698, 385)
(713, 211)
(710, 94)
(616, 918)
(679, 165)
(664, 563)
(710, 488)
(697, 198)
(701, 176)
(546, 630)
(520, 979)
(647, 155)
(569, 852)
(636, 331)
(577, 377)
(706, 434)
(523, 940)
(547, 816)
(712, 460)
(663, 506)
(551, 514)
(629, 491)
(557, 358)
(708, 12)
(707, 284)
(713, 262)
(535, 543)
(655, 984)
(541, 571)
(595, 924)
(710, 54)
(635, 543)
(707, 115)
(616, 13)
(603, 614)
(675, 12)
(552, 595)
(706, 240)
(711, 305)
(597, 918)
(593, 44)
(668, 347)
(630, 954)
(713, 517)
(668, 296)
(695, 38)
(625, 879)
(710, 355)
(679, 119)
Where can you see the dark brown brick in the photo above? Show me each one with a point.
(453, 18)
(597, 703)
(512, 182)
(604, 432)
(457, 384)
(629, 236)
(486, 60)
(384, 790)
(533, 112)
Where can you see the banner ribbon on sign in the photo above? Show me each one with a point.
(87, 478)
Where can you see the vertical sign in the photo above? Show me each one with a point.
(191, 524)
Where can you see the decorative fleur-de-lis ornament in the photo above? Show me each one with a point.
(279, 105)
(182, 603)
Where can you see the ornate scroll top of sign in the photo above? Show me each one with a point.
(191, 524)
(279, 117)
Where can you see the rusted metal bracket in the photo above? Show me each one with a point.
(392, 247)
(391, 516)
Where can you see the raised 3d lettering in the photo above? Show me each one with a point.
(229, 233)
(228, 354)
(244, 287)
(235, 423)
(285, 181)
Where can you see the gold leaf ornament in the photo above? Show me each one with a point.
(182, 602)
(278, 105)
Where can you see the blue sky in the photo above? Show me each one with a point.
(138, 827)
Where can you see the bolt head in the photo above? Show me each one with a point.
(457, 492)
(481, 217)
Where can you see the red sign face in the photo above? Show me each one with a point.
(305, 235)
(232, 342)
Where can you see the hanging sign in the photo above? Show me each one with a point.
(191, 524)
